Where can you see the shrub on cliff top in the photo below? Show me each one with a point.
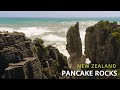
(104, 25)
(117, 36)
(114, 34)
(38, 41)
(72, 28)
(114, 23)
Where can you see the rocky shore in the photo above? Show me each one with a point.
(23, 58)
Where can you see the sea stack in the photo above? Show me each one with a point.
(74, 45)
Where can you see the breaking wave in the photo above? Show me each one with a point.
(51, 32)
(51, 37)
(29, 31)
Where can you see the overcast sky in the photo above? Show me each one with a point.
(59, 13)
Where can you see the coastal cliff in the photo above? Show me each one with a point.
(102, 43)
(22, 58)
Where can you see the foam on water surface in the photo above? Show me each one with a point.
(52, 32)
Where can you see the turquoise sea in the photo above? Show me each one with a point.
(21, 20)
(51, 30)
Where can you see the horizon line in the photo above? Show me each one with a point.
(64, 17)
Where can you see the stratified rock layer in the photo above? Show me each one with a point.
(21, 58)
(74, 45)
(102, 43)
(27, 69)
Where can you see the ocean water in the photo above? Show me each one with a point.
(52, 30)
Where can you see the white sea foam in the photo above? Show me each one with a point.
(29, 31)
(69, 23)
(6, 29)
(54, 32)
(51, 37)
(82, 28)
(84, 23)
(61, 46)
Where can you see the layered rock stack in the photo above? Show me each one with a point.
(8, 52)
(28, 69)
(74, 45)
(102, 43)
(21, 58)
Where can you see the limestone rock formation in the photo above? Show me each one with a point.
(27, 69)
(102, 42)
(52, 61)
(22, 58)
(74, 45)
(11, 50)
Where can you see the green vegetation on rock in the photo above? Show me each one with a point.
(115, 34)
(102, 42)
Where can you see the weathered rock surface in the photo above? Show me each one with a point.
(27, 69)
(74, 45)
(21, 58)
(8, 51)
(52, 61)
(102, 42)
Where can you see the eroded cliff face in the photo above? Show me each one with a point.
(74, 45)
(27, 69)
(102, 42)
(13, 48)
(21, 58)
(52, 61)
